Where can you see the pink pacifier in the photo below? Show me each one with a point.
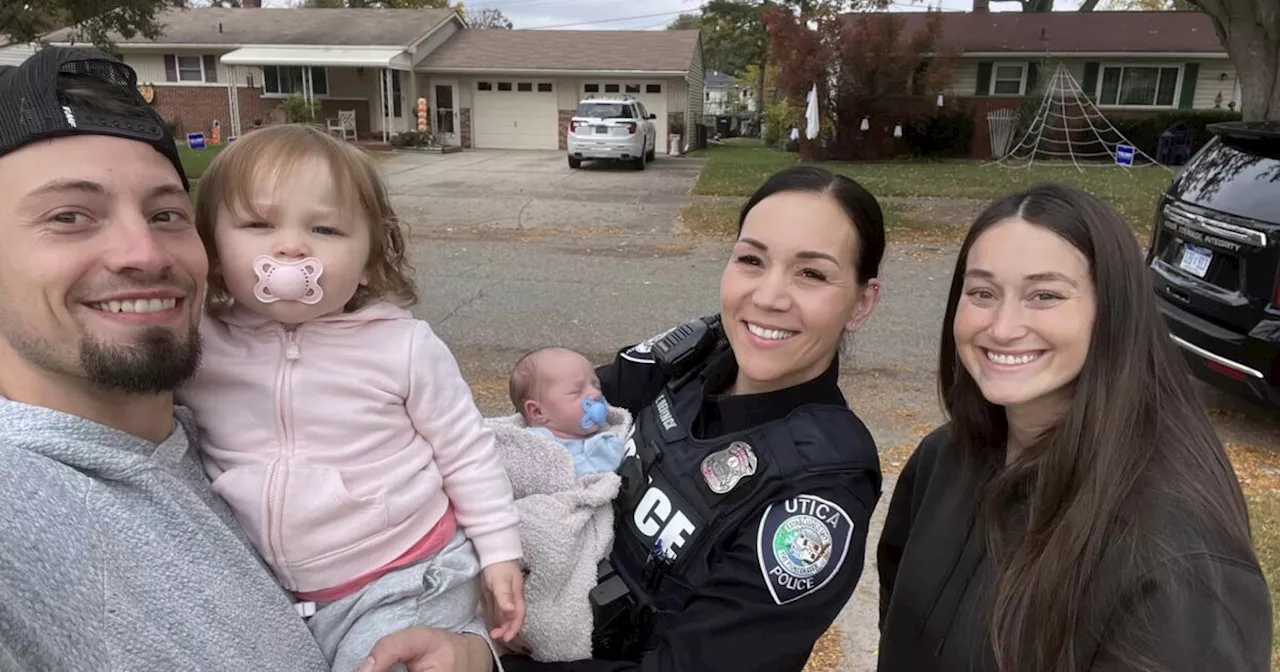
(280, 280)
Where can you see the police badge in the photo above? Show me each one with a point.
(724, 469)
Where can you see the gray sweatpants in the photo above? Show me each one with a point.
(441, 591)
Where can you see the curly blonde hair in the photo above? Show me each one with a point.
(276, 150)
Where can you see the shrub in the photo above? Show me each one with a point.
(946, 134)
(775, 118)
(413, 139)
(298, 111)
(1144, 131)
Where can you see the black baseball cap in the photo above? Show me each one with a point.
(32, 108)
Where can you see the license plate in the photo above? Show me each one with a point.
(1195, 260)
(602, 129)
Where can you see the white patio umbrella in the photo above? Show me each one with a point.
(811, 114)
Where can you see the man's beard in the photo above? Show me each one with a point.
(157, 362)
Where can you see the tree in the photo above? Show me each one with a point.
(1250, 32)
(734, 34)
(686, 22)
(858, 67)
(488, 18)
(26, 21)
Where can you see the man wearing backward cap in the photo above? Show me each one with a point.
(114, 554)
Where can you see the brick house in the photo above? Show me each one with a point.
(500, 89)
(1127, 63)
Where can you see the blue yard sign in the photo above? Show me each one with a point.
(195, 140)
(1124, 155)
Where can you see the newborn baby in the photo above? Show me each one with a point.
(556, 392)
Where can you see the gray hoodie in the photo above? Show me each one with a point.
(115, 555)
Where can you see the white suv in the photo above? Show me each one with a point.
(614, 127)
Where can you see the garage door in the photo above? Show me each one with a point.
(653, 95)
(515, 114)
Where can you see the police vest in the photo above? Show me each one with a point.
(684, 499)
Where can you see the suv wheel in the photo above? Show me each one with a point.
(575, 163)
(641, 161)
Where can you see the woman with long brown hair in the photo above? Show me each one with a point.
(1077, 512)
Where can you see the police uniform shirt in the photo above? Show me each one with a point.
(734, 619)
(938, 584)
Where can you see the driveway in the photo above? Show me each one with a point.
(537, 190)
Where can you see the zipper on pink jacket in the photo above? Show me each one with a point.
(284, 415)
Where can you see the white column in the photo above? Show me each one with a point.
(382, 97)
(387, 92)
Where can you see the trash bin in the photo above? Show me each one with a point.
(675, 146)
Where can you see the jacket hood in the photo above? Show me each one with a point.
(87, 446)
(239, 316)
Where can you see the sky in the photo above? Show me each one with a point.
(648, 14)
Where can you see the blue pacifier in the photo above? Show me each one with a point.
(594, 413)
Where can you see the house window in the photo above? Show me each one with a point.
(633, 88)
(484, 86)
(504, 86)
(524, 86)
(653, 88)
(1148, 86)
(284, 80)
(1008, 80)
(591, 88)
(190, 69)
(544, 87)
(610, 88)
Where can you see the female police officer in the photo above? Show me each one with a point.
(748, 485)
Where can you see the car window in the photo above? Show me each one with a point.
(644, 114)
(1238, 176)
(604, 111)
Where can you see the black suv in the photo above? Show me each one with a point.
(1215, 260)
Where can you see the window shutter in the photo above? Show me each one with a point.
(984, 79)
(1090, 83)
(1190, 71)
(170, 68)
(210, 68)
(1033, 73)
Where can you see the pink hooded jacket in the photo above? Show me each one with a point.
(341, 443)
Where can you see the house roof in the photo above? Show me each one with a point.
(716, 78)
(1073, 32)
(593, 50)
(294, 26)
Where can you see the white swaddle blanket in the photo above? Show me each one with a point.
(566, 528)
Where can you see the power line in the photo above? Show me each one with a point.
(592, 23)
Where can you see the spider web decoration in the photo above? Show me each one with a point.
(1068, 127)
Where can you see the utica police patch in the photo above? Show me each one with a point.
(801, 545)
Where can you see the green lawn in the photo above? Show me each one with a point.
(196, 161)
(737, 169)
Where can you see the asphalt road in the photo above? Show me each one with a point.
(538, 260)
(493, 294)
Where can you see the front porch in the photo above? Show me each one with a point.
(374, 86)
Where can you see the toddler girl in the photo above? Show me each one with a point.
(337, 426)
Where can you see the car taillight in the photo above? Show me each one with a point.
(631, 128)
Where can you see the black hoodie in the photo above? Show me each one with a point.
(1205, 602)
